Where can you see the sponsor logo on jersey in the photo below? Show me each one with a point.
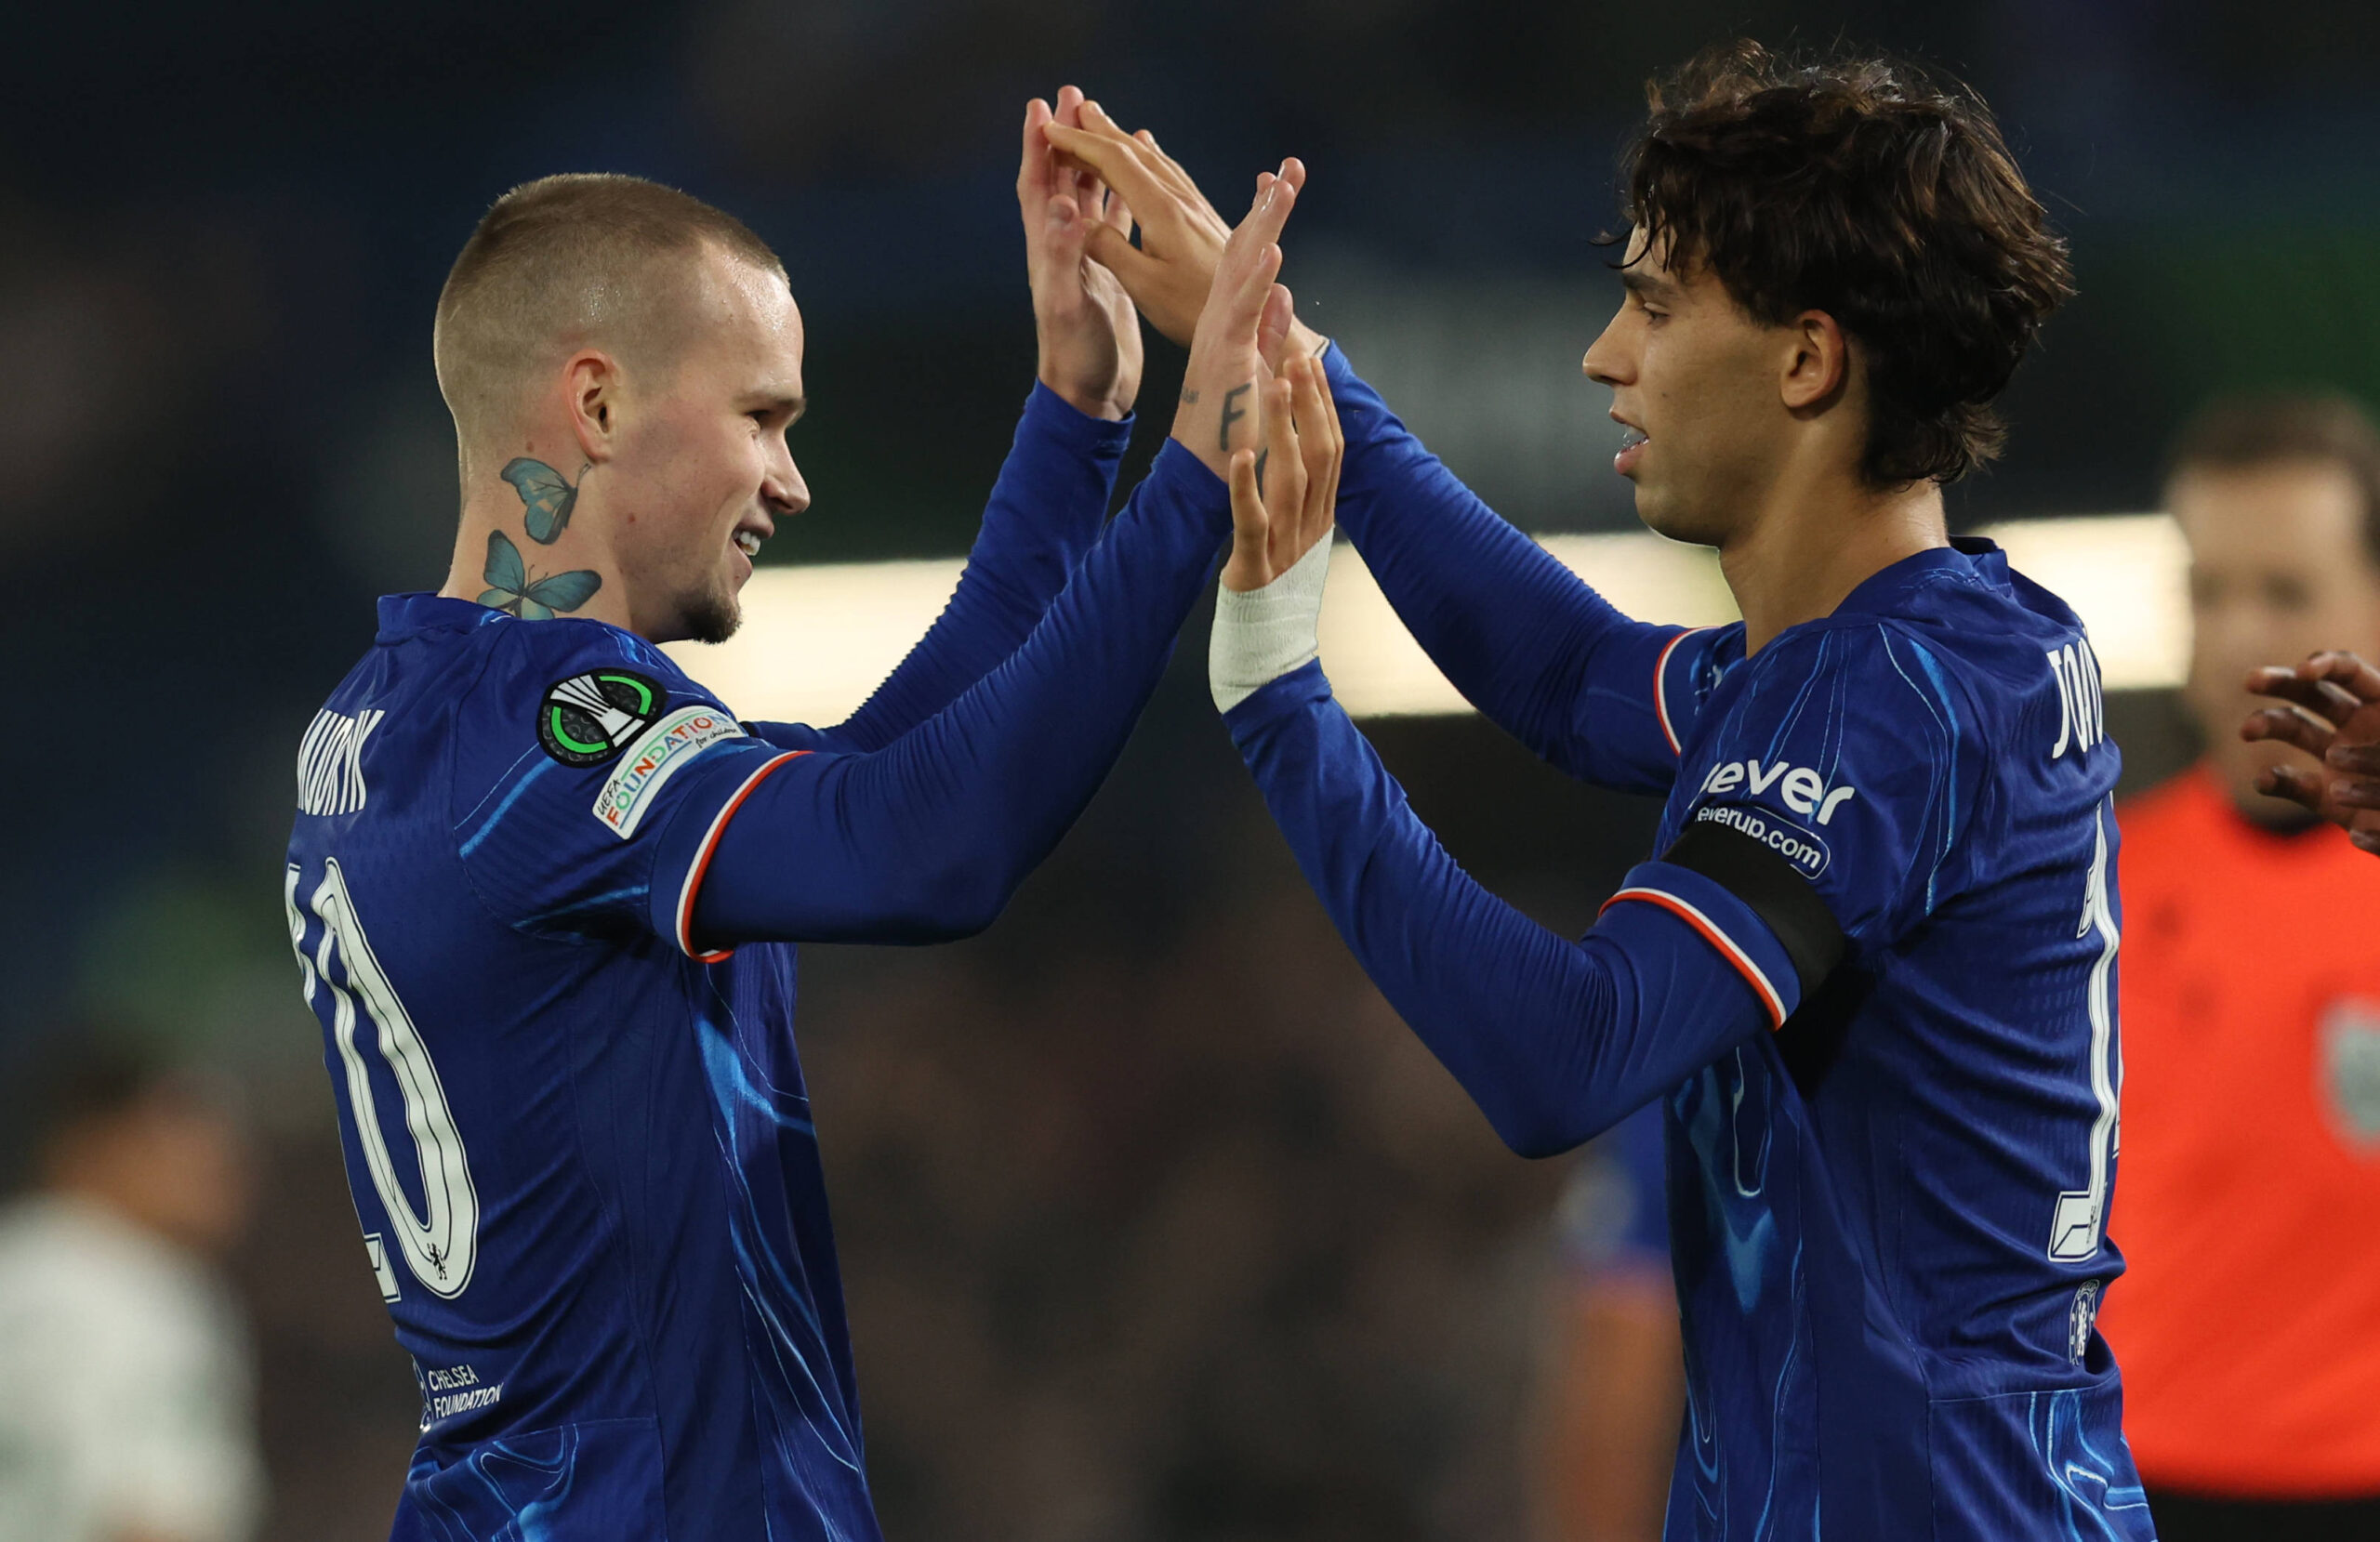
(449, 1391)
(654, 758)
(2350, 1035)
(2080, 1318)
(1802, 790)
(588, 718)
(1801, 846)
(330, 762)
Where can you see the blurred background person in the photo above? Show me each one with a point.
(129, 1414)
(2248, 1206)
(1615, 1376)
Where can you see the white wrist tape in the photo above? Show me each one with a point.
(1264, 634)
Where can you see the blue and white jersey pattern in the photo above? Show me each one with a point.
(582, 1156)
(1889, 1216)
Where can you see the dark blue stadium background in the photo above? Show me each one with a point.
(1155, 1224)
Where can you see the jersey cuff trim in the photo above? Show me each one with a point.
(1754, 975)
(1662, 689)
(1046, 409)
(701, 864)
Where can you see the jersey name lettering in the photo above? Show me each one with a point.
(2083, 720)
(330, 762)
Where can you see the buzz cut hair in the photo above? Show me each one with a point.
(585, 258)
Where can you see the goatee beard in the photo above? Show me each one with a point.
(713, 618)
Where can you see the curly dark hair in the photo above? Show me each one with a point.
(1878, 193)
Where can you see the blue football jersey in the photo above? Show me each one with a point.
(582, 1155)
(1869, 974)
(1889, 1216)
(576, 1132)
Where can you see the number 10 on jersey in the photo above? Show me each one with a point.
(441, 1247)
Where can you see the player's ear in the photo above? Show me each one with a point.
(592, 394)
(1816, 365)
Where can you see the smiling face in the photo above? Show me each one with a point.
(1695, 382)
(703, 471)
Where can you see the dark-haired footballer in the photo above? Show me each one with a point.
(1872, 973)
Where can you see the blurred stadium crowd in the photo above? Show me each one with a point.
(1133, 1248)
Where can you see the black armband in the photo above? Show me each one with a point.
(1775, 890)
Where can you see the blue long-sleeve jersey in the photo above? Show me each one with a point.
(1872, 976)
(542, 887)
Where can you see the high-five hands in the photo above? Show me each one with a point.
(1169, 274)
(1090, 338)
(2339, 726)
(1256, 408)
(1243, 309)
(1268, 615)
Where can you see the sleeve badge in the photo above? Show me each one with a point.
(588, 718)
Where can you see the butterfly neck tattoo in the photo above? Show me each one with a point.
(513, 587)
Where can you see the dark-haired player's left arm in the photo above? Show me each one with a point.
(1055, 487)
(1718, 940)
(1555, 1040)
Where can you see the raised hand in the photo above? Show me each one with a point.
(1268, 614)
(1090, 336)
(1220, 411)
(1169, 272)
(1277, 517)
(2339, 726)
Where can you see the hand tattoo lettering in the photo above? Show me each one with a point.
(1191, 395)
(1233, 412)
(547, 498)
(511, 590)
(1261, 456)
